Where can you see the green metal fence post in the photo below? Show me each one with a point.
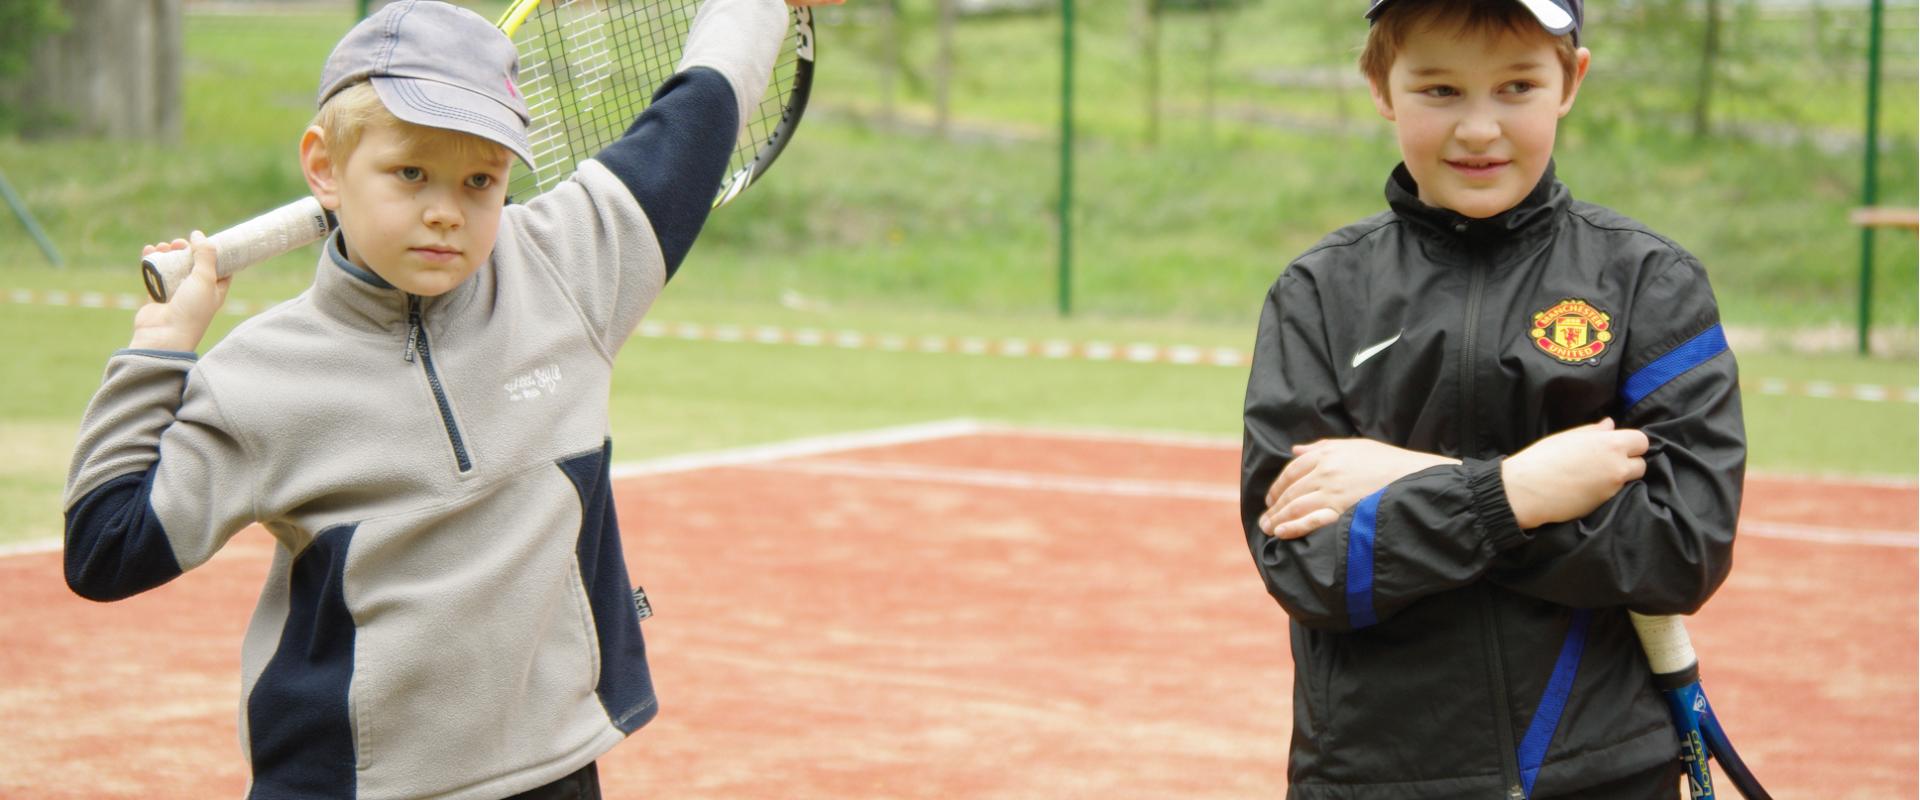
(1066, 158)
(33, 226)
(363, 8)
(1870, 184)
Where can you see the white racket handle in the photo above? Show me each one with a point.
(1669, 649)
(274, 233)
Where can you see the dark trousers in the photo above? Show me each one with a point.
(1660, 783)
(583, 784)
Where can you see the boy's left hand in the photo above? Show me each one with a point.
(1327, 477)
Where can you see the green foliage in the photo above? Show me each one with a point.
(22, 24)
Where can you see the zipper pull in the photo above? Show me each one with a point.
(413, 327)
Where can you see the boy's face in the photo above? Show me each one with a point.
(1477, 113)
(421, 217)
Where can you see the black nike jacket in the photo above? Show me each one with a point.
(1439, 650)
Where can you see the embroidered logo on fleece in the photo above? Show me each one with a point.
(1572, 331)
(537, 383)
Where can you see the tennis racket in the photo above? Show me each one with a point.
(587, 68)
(1676, 670)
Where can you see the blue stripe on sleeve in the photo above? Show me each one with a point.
(1691, 353)
(1360, 561)
(1546, 718)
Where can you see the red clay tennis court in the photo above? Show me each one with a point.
(968, 611)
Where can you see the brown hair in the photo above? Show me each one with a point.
(1402, 19)
(349, 112)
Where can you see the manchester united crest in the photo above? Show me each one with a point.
(1572, 331)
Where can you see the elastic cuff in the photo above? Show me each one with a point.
(1490, 505)
(177, 355)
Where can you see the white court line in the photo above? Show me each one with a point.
(689, 462)
(1814, 533)
(1233, 443)
(1003, 479)
(31, 547)
(760, 456)
(1184, 490)
(1115, 435)
(799, 448)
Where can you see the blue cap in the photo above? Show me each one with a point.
(437, 65)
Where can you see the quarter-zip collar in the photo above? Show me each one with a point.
(365, 301)
(1497, 238)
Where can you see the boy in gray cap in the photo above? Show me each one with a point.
(1434, 485)
(424, 430)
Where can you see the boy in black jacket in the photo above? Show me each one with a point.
(1480, 427)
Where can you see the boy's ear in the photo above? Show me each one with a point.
(1582, 58)
(1381, 102)
(316, 161)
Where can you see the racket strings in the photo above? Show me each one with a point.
(588, 67)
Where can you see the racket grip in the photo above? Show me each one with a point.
(1669, 649)
(271, 234)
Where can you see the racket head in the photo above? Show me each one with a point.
(589, 67)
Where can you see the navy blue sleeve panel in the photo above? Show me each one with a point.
(1428, 532)
(675, 155)
(115, 545)
(1663, 544)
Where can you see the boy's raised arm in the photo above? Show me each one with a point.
(614, 259)
(675, 154)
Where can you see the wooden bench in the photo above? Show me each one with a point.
(1884, 217)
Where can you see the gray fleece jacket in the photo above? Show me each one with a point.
(448, 613)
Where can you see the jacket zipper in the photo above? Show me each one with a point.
(1490, 625)
(1502, 710)
(417, 341)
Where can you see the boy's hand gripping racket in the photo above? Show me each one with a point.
(1676, 670)
(587, 68)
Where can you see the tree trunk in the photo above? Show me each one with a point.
(115, 72)
(943, 71)
(1709, 58)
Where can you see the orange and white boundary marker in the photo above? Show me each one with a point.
(1045, 349)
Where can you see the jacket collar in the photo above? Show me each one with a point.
(1507, 233)
(368, 302)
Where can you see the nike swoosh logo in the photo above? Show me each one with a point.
(1362, 356)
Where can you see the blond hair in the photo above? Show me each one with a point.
(1400, 20)
(352, 110)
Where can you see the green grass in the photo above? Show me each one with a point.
(1193, 228)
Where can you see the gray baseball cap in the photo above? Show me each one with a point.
(1557, 16)
(437, 65)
